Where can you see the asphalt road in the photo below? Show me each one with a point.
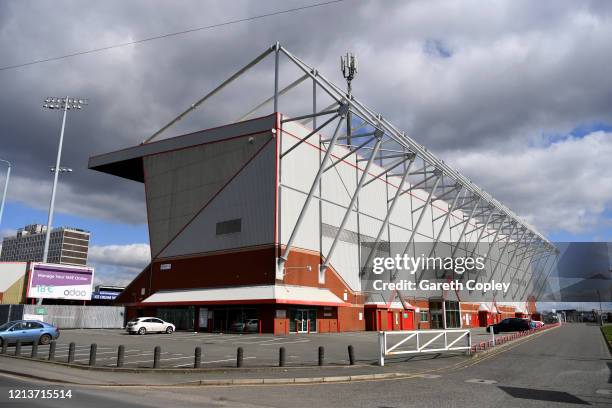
(565, 367)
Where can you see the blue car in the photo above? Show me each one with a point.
(28, 331)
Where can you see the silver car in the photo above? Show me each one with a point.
(144, 325)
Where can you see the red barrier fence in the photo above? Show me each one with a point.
(485, 345)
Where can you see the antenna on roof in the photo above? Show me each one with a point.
(348, 66)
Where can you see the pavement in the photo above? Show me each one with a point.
(561, 367)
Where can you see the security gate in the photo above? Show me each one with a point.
(422, 341)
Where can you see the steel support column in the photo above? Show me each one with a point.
(501, 253)
(389, 210)
(451, 208)
(283, 258)
(276, 55)
(349, 209)
(416, 226)
(211, 93)
(547, 276)
(518, 242)
(539, 275)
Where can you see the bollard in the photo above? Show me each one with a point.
(34, 353)
(197, 362)
(351, 353)
(52, 347)
(18, 348)
(4, 346)
(120, 355)
(71, 348)
(93, 351)
(281, 357)
(156, 354)
(321, 355)
(239, 357)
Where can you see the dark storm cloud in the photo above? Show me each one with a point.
(514, 70)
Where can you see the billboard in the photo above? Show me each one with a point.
(53, 281)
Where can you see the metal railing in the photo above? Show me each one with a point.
(424, 341)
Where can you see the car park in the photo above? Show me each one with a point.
(28, 331)
(511, 324)
(144, 325)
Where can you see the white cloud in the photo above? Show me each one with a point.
(118, 264)
(517, 69)
(130, 255)
(71, 199)
(564, 186)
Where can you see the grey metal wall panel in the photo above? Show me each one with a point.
(249, 197)
(180, 183)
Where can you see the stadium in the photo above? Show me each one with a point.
(275, 219)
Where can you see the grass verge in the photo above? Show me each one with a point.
(607, 332)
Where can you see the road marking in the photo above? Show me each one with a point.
(428, 376)
(64, 354)
(215, 361)
(161, 360)
(259, 342)
(287, 342)
(481, 381)
(604, 392)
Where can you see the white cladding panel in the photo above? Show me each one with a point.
(291, 202)
(338, 184)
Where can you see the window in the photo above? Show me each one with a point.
(229, 226)
(453, 318)
(423, 315)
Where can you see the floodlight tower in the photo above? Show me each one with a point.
(348, 66)
(64, 104)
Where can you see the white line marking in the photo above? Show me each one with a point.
(480, 381)
(215, 361)
(161, 360)
(287, 342)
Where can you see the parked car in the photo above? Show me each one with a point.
(144, 325)
(511, 324)
(237, 327)
(536, 324)
(28, 331)
(250, 325)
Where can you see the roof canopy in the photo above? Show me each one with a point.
(280, 294)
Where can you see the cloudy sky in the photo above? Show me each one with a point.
(516, 94)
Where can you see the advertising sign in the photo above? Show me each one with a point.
(53, 281)
(104, 295)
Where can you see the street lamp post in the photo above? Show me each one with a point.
(65, 104)
(6, 182)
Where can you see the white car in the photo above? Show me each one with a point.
(144, 325)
